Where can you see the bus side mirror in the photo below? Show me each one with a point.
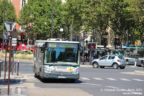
(79, 47)
(42, 49)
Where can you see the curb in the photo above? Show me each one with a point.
(17, 89)
(86, 66)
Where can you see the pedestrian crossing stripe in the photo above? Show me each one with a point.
(124, 79)
(138, 80)
(98, 78)
(84, 78)
(110, 79)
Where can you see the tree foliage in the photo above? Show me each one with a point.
(38, 13)
(125, 17)
(7, 13)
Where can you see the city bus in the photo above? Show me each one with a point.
(57, 59)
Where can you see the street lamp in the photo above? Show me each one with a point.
(61, 30)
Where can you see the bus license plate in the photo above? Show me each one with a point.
(61, 77)
(62, 69)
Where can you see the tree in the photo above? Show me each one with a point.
(138, 17)
(125, 17)
(7, 13)
(118, 16)
(97, 18)
(38, 13)
(74, 16)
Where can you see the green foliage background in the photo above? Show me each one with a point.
(7, 13)
(125, 17)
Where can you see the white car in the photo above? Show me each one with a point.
(130, 60)
(114, 61)
(140, 62)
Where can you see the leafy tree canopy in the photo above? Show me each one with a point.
(7, 13)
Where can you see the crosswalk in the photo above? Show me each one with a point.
(111, 79)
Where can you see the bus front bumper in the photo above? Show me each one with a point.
(60, 76)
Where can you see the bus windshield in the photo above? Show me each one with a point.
(61, 52)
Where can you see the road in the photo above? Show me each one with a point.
(92, 82)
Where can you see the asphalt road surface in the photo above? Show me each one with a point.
(92, 82)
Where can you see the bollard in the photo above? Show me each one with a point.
(5, 67)
(142, 61)
(135, 63)
(15, 67)
(18, 68)
(12, 64)
(0, 68)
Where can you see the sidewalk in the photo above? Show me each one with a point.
(16, 86)
(86, 64)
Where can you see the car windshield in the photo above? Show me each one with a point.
(111, 57)
(103, 58)
(61, 52)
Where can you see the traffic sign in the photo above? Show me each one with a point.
(5, 35)
(14, 41)
(9, 25)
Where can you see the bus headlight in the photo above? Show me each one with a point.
(47, 69)
(75, 70)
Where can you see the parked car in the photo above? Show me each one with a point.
(140, 62)
(115, 61)
(130, 60)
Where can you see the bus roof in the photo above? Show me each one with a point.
(52, 41)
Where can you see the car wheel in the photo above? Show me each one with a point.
(122, 67)
(139, 65)
(115, 66)
(95, 65)
(102, 66)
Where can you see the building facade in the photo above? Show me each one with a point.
(18, 4)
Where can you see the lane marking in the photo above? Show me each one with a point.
(91, 84)
(124, 79)
(111, 87)
(84, 78)
(98, 78)
(112, 79)
(138, 80)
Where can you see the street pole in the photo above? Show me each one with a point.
(5, 70)
(3, 26)
(0, 68)
(9, 27)
(10, 46)
(52, 21)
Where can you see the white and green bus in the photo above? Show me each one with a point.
(57, 59)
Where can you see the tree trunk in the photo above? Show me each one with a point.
(71, 32)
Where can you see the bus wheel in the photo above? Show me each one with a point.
(71, 80)
(102, 66)
(35, 75)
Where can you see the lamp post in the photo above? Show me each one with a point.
(61, 30)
